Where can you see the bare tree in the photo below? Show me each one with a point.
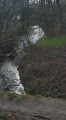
(13, 14)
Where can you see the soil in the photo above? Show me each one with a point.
(32, 108)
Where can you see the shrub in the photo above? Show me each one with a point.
(52, 93)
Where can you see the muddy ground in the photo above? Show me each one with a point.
(32, 108)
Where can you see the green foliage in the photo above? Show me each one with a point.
(52, 93)
(1, 93)
(11, 96)
(30, 91)
(51, 42)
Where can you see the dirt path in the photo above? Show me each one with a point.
(33, 108)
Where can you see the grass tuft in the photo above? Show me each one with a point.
(11, 96)
(18, 99)
(38, 95)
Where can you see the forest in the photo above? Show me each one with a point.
(32, 59)
(16, 16)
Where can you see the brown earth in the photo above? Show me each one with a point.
(43, 71)
(32, 108)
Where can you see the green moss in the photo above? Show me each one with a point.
(51, 42)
